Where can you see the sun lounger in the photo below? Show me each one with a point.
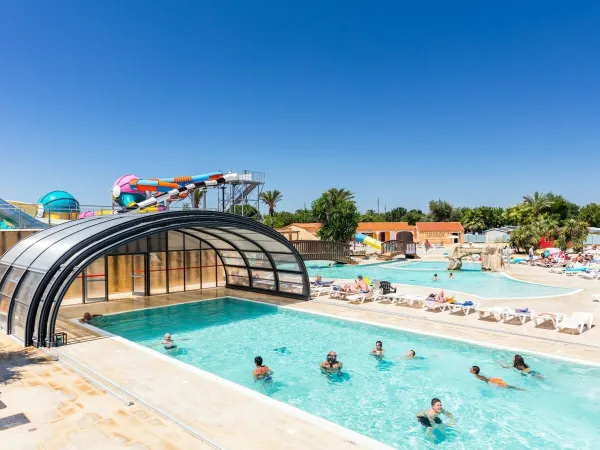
(396, 298)
(577, 321)
(547, 316)
(360, 298)
(466, 309)
(411, 299)
(591, 275)
(432, 305)
(496, 312)
(522, 315)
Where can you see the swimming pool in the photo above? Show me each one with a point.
(376, 398)
(474, 282)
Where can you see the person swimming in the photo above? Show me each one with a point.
(261, 372)
(87, 317)
(168, 342)
(495, 381)
(520, 365)
(451, 276)
(429, 417)
(435, 277)
(378, 350)
(410, 354)
(332, 365)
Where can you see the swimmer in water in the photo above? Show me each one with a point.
(168, 343)
(87, 317)
(261, 372)
(429, 417)
(332, 365)
(451, 276)
(496, 381)
(519, 364)
(410, 355)
(378, 350)
(435, 277)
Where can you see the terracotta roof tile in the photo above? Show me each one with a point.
(384, 226)
(452, 227)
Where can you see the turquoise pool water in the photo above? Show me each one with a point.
(377, 398)
(471, 281)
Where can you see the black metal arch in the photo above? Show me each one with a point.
(45, 301)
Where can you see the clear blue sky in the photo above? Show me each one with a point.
(474, 102)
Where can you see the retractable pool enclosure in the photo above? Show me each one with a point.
(148, 254)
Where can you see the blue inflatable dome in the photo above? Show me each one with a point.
(59, 202)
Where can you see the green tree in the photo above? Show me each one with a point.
(560, 208)
(590, 213)
(575, 231)
(518, 214)
(196, 196)
(440, 211)
(472, 220)
(271, 198)
(537, 203)
(304, 215)
(283, 219)
(414, 216)
(396, 214)
(337, 212)
(246, 211)
(371, 216)
(524, 237)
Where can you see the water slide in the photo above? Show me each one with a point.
(367, 240)
(17, 218)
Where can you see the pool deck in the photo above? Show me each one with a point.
(76, 414)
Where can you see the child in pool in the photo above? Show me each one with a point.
(496, 381)
(429, 417)
(261, 372)
(519, 364)
(378, 351)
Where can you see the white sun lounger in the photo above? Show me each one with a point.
(360, 298)
(466, 309)
(592, 275)
(510, 314)
(411, 299)
(551, 316)
(497, 312)
(577, 321)
(396, 298)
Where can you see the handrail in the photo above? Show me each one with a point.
(311, 250)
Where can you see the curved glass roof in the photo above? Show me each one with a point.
(37, 271)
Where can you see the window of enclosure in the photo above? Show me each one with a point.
(11, 279)
(95, 280)
(175, 240)
(157, 242)
(192, 270)
(74, 294)
(137, 246)
(258, 259)
(21, 300)
(209, 268)
(191, 243)
(176, 270)
(291, 282)
(158, 273)
(120, 273)
(237, 276)
(232, 258)
(285, 261)
(263, 279)
(221, 278)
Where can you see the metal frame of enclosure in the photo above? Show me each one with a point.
(38, 271)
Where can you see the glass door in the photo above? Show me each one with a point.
(138, 274)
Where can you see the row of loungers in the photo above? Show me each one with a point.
(559, 321)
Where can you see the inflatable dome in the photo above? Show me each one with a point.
(123, 184)
(59, 202)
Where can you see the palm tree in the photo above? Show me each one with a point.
(338, 196)
(196, 196)
(537, 203)
(575, 231)
(271, 198)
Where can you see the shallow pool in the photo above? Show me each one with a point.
(378, 398)
(470, 281)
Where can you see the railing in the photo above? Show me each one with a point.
(395, 247)
(324, 250)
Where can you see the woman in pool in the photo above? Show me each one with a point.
(519, 364)
(332, 365)
(378, 351)
(261, 372)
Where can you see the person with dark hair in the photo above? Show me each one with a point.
(429, 417)
(332, 365)
(520, 365)
(378, 350)
(496, 381)
(410, 355)
(261, 372)
(87, 317)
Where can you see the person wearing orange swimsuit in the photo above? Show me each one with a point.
(496, 381)
(261, 372)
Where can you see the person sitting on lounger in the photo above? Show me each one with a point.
(429, 417)
(359, 286)
(87, 317)
(378, 350)
(319, 281)
(261, 372)
(440, 298)
(332, 365)
(496, 381)
(519, 364)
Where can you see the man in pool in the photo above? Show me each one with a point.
(435, 277)
(332, 365)
(429, 417)
(87, 317)
(261, 372)
(410, 355)
(496, 381)
(451, 276)
(168, 342)
(378, 350)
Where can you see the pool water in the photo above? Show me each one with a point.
(378, 398)
(470, 281)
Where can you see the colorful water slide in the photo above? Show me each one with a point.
(17, 218)
(168, 184)
(367, 240)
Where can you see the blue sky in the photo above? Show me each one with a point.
(470, 101)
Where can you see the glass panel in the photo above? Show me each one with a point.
(221, 279)
(11, 279)
(158, 273)
(95, 280)
(74, 294)
(4, 302)
(139, 274)
(18, 320)
(176, 271)
(27, 287)
(3, 270)
(209, 271)
(191, 243)
(237, 275)
(137, 246)
(120, 269)
(258, 259)
(157, 242)
(192, 269)
(285, 261)
(292, 283)
(175, 240)
(263, 279)
(232, 258)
